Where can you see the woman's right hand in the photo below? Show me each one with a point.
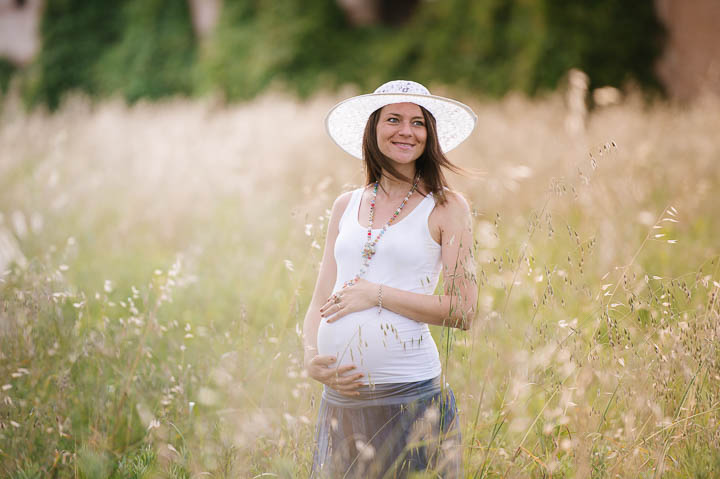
(321, 369)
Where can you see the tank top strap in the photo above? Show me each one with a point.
(352, 207)
(425, 207)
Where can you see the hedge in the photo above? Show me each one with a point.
(147, 48)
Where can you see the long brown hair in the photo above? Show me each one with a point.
(428, 166)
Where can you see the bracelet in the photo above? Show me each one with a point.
(380, 299)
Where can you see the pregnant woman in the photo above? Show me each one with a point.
(385, 410)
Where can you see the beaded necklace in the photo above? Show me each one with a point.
(369, 248)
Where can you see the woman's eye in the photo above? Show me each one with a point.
(392, 120)
(419, 123)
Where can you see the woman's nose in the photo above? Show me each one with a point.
(405, 129)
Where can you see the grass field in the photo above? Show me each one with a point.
(156, 262)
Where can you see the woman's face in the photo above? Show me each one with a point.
(401, 132)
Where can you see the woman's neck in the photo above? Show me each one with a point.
(394, 186)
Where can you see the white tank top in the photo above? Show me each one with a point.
(386, 347)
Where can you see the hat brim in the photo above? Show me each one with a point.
(345, 122)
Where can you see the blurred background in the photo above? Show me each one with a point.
(151, 49)
(165, 185)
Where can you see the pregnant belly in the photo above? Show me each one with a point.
(386, 348)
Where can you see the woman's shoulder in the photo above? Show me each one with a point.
(454, 204)
(344, 198)
(342, 201)
(451, 216)
(453, 213)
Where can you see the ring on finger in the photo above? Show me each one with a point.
(337, 298)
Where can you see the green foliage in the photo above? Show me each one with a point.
(75, 35)
(137, 465)
(258, 42)
(154, 55)
(93, 464)
(496, 46)
(612, 41)
(6, 71)
(141, 49)
(147, 49)
(491, 46)
(29, 471)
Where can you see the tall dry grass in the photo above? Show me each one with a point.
(156, 262)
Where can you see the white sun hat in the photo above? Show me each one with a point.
(345, 122)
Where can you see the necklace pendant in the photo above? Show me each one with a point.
(368, 250)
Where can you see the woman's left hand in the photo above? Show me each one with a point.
(358, 297)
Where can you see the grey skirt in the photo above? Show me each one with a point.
(386, 435)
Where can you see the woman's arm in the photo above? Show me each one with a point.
(320, 367)
(456, 307)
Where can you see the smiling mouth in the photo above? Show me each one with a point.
(404, 146)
